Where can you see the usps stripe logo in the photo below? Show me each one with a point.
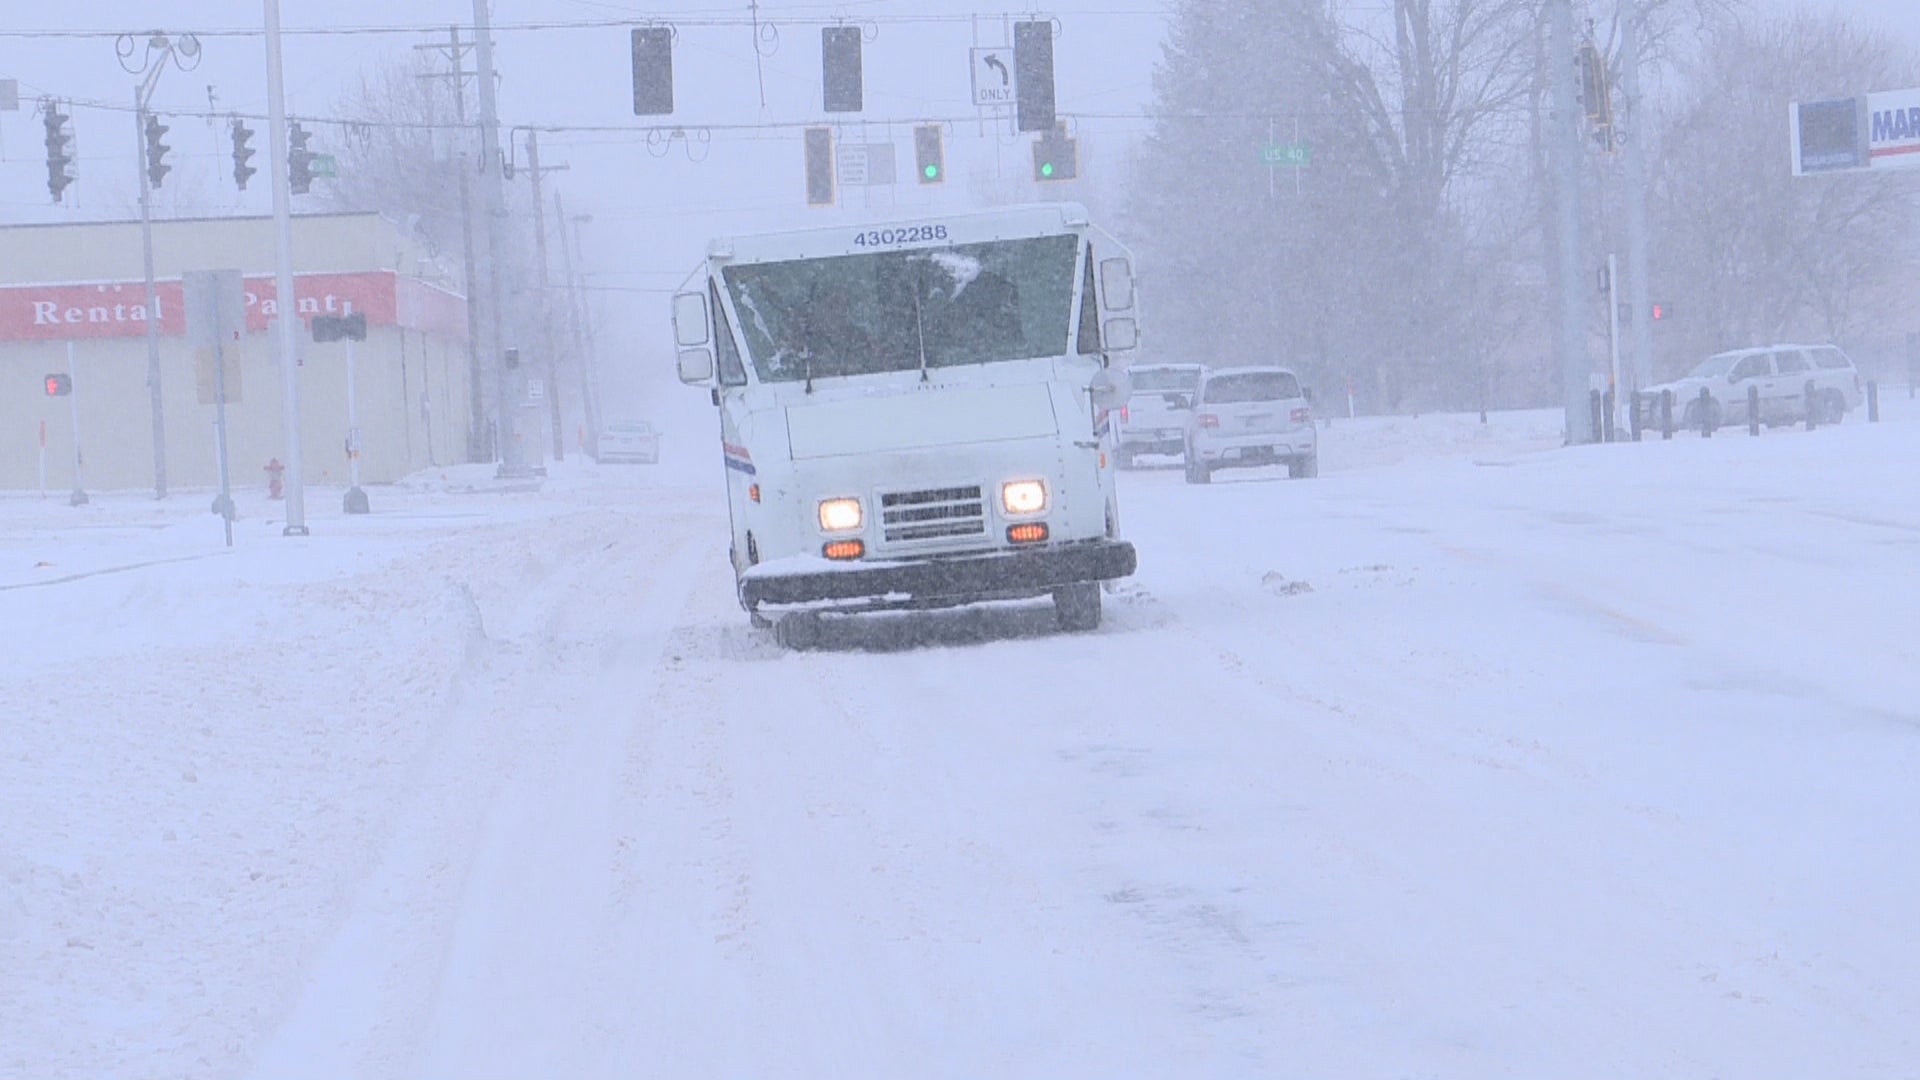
(738, 459)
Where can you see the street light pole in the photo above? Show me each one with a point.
(493, 204)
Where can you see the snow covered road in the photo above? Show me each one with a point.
(1474, 757)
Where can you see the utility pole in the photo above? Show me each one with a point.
(576, 323)
(1639, 288)
(479, 447)
(493, 200)
(184, 53)
(1565, 147)
(540, 255)
(287, 307)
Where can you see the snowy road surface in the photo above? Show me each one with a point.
(1475, 757)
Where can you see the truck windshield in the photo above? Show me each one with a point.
(898, 310)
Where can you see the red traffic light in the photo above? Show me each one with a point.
(59, 385)
(1659, 312)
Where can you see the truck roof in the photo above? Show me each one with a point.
(903, 233)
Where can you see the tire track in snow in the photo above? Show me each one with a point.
(379, 987)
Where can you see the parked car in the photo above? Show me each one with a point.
(1154, 421)
(633, 442)
(1781, 374)
(1251, 416)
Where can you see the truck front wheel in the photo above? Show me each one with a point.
(1077, 606)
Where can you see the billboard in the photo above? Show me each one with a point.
(1875, 131)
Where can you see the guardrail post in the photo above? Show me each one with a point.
(1812, 402)
(1706, 413)
(1873, 402)
(1666, 415)
(1753, 410)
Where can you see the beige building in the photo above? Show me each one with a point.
(75, 295)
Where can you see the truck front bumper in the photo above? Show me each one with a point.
(948, 579)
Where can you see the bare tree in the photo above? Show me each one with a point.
(1750, 253)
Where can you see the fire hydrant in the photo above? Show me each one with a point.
(274, 469)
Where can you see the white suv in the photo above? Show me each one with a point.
(1781, 374)
(1251, 416)
(1154, 420)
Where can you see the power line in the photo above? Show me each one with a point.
(698, 19)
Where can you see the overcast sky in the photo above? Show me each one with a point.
(650, 213)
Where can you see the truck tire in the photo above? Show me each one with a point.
(1198, 472)
(1076, 607)
(1304, 468)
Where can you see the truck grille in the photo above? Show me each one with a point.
(934, 514)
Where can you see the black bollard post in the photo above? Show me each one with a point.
(1811, 401)
(1593, 415)
(1606, 417)
(1753, 410)
(1635, 422)
(1666, 415)
(1873, 402)
(1706, 413)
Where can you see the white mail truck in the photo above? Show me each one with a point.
(917, 414)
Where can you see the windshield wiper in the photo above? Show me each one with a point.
(920, 327)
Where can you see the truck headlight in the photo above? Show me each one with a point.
(841, 515)
(1024, 496)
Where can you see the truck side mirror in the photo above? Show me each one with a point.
(1122, 335)
(690, 319)
(696, 366)
(1116, 284)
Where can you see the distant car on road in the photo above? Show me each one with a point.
(1154, 420)
(1251, 416)
(632, 442)
(1781, 374)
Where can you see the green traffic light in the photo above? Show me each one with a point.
(1047, 169)
(933, 172)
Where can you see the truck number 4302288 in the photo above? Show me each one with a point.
(910, 234)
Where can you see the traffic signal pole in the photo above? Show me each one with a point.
(1566, 151)
(141, 91)
(287, 307)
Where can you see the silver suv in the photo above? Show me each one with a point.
(1154, 420)
(1251, 416)
(1786, 377)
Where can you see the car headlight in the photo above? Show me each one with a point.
(841, 515)
(1023, 496)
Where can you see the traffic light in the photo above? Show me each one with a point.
(1033, 74)
(157, 167)
(1056, 157)
(59, 385)
(819, 166)
(242, 153)
(652, 71)
(59, 150)
(840, 68)
(1596, 94)
(1662, 312)
(299, 159)
(929, 153)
